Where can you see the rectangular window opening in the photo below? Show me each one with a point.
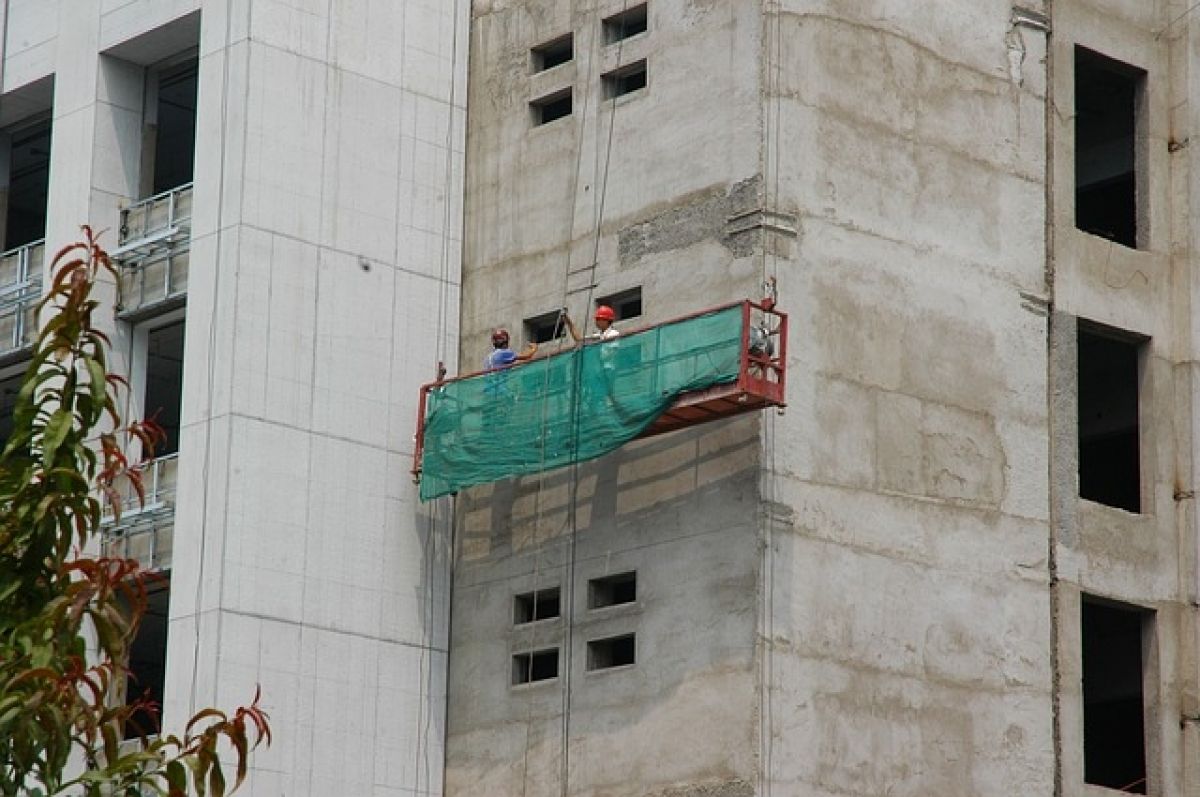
(553, 53)
(626, 24)
(618, 651)
(1114, 744)
(164, 382)
(545, 328)
(625, 80)
(1107, 96)
(10, 386)
(626, 304)
(612, 590)
(147, 662)
(1109, 433)
(542, 604)
(24, 184)
(551, 107)
(537, 665)
(174, 126)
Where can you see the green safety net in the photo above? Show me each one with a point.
(573, 406)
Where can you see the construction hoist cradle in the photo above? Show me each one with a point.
(584, 402)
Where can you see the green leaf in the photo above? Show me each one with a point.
(56, 432)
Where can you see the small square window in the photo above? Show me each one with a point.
(537, 665)
(552, 106)
(625, 80)
(545, 328)
(612, 590)
(618, 651)
(553, 53)
(626, 304)
(542, 604)
(625, 25)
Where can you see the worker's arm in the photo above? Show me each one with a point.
(571, 327)
(527, 352)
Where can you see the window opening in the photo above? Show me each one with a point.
(164, 382)
(545, 328)
(1114, 745)
(625, 80)
(541, 604)
(147, 661)
(1109, 435)
(1107, 95)
(538, 665)
(553, 53)
(551, 107)
(625, 25)
(618, 651)
(612, 590)
(28, 181)
(626, 304)
(9, 388)
(175, 126)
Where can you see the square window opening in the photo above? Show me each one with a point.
(626, 304)
(1108, 95)
(626, 24)
(613, 590)
(545, 328)
(1109, 428)
(618, 651)
(1114, 642)
(164, 382)
(542, 604)
(553, 53)
(147, 663)
(538, 665)
(551, 107)
(625, 80)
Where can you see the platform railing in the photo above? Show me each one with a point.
(20, 291)
(158, 486)
(155, 250)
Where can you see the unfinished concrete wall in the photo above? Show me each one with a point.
(673, 166)
(907, 618)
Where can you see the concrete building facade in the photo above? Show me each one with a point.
(281, 182)
(964, 560)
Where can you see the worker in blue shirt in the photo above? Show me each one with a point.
(502, 356)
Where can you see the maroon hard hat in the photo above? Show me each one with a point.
(500, 337)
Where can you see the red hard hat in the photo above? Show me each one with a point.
(605, 313)
(500, 337)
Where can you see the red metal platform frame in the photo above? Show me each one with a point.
(761, 380)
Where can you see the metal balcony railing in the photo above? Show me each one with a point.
(144, 530)
(154, 250)
(20, 290)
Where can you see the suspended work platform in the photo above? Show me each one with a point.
(587, 401)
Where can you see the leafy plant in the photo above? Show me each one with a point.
(68, 617)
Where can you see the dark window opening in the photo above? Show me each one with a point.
(545, 328)
(1109, 445)
(538, 665)
(626, 304)
(625, 80)
(551, 107)
(626, 24)
(164, 382)
(28, 183)
(175, 133)
(9, 388)
(553, 53)
(1114, 747)
(533, 606)
(612, 590)
(604, 654)
(1107, 94)
(147, 663)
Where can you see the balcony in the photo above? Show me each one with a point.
(144, 529)
(153, 253)
(20, 291)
